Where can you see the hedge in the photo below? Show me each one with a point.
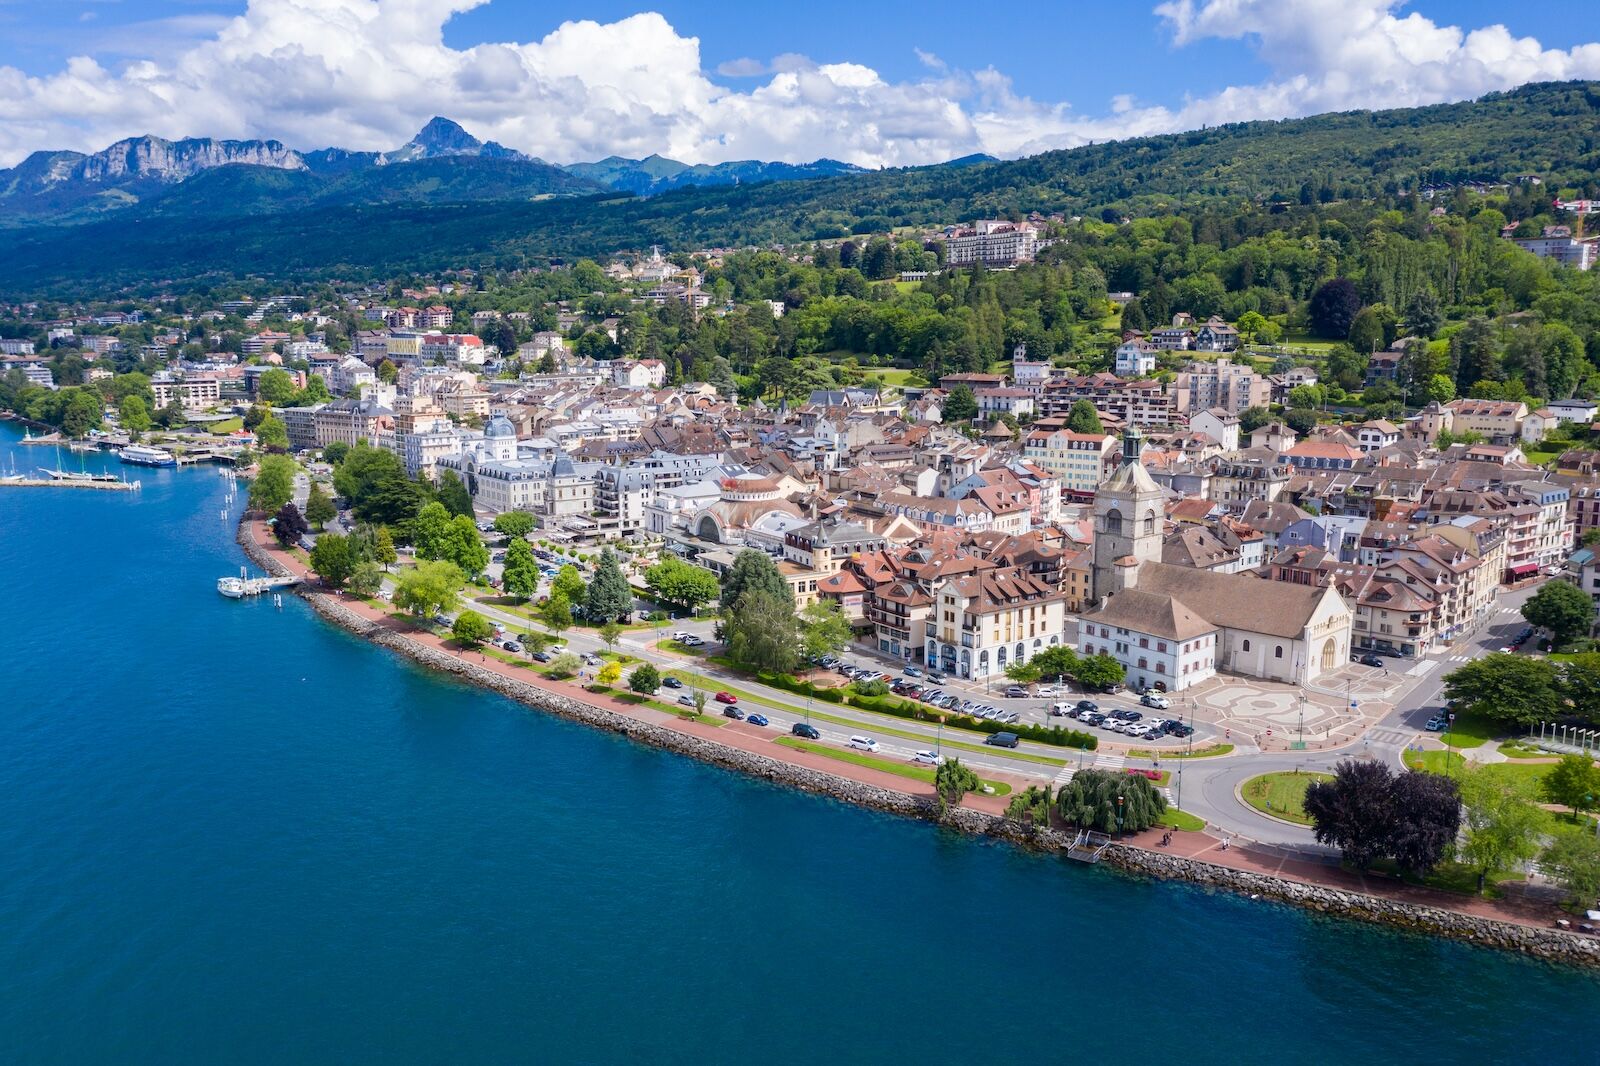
(1061, 738)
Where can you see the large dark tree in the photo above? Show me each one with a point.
(1109, 802)
(1427, 809)
(754, 569)
(1334, 307)
(454, 495)
(609, 598)
(1354, 812)
(290, 525)
(959, 406)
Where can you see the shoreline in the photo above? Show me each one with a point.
(1549, 944)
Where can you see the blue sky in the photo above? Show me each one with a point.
(886, 82)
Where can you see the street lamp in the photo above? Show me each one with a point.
(1119, 814)
(1450, 745)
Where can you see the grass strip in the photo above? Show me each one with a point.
(914, 771)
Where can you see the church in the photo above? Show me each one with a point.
(1175, 626)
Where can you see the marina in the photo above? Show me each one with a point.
(112, 485)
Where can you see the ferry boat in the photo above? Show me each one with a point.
(139, 455)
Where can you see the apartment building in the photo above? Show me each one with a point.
(981, 623)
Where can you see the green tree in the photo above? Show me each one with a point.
(453, 494)
(333, 560)
(274, 483)
(645, 679)
(1253, 418)
(761, 632)
(1507, 688)
(431, 532)
(366, 580)
(1423, 316)
(272, 434)
(1562, 608)
(1346, 367)
(1099, 671)
(611, 633)
(951, 781)
(609, 597)
(319, 507)
(276, 386)
(569, 583)
(824, 629)
(1250, 325)
(81, 412)
(959, 406)
(683, 584)
(133, 413)
(556, 613)
(1366, 331)
(1110, 802)
(1574, 782)
(430, 588)
(470, 627)
(520, 576)
(383, 551)
(1439, 388)
(1503, 819)
(335, 453)
(465, 547)
(513, 524)
(1083, 418)
(1573, 859)
(755, 570)
(388, 373)
(565, 665)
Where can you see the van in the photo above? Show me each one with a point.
(1062, 710)
(1003, 740)
(864, 743)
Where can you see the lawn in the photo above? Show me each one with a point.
(1435, 762)
(1281, 795)
(1516, 749)
(1176, 819)
(914, 771)
(1471, 731)
(227, 425)
(890, 376)
(1208, 752)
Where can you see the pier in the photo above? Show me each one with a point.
(68, 483)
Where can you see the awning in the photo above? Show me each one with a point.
(1524, 569)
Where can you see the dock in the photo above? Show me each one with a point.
(68, 483)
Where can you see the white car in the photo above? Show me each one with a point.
(928, 757)
(863, 743)
(1047, 692)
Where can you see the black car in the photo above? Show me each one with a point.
(1178, 729)
(542, 656)
(1369, 659)
(671, 682)
(1017, 692)
(732, 711)
(1092, 717)
(800, 729)
(1086, 707)
(1002, 740)
(1127, 716)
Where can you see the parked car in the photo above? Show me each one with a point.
(671, 682)
(1017, 692)
(927, 757)
(1002, 740)
(911, 671)
(1112, 689)
(726, 697)
(542, 656)
(686, 700)
(1369, 659)
(733, 711)
(757, 719)
(511, 645)
(1437, 724)
(801, 729)
(863, 743)
(1178, 729)
(1047, 691)
(933, 675)
(1127, 716)
(1150, 699)
(1062, 710)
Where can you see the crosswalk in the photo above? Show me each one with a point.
(1065, 776)
(1389, 736)
(1105, 761)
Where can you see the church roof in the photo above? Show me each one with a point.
(1150, 613)
(1236, 601)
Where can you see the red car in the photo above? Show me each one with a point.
(725, 697)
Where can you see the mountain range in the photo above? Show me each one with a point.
(442, 162)
(329, 214)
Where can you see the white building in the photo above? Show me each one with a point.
(1134, 359)
(993, 242)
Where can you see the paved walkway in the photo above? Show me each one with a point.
(1204, 846)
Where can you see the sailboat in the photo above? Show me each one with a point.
(11, 473)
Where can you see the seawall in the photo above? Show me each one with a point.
(1550, 944)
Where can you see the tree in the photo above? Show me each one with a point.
(335, 453)
(1439, 388)
(1253, 418)
(1307, 396)
(1475, 353)
(470, 627)
(513, 524)
(1300, 420)
(569, 583)
(288, 526)
(383, 548)
(1574, 782)
(274, 483)
(366, 580)
(609, 597)
(319, 507)
(520, 576)
(276, 386)
(699, 698)
(1562, 608)
(430, 588)
(951, 781)
(565, 665)
(1427, 819)
(683, 584)
(333, 560)
(1083, 418)
(1353, 812)
(1346, 366)
(133, 413)
(1250, 325)
(1133, 317)
(1423, 316)
(1507, 688)
(609, 674)
(1023, 672)
(824, 629)
(388, 373)
(1366, 331)
(645, 679)
(1110, 802)
(761, 631)
(959, 406)
(271, 434)
(431, 532)
(556, 613)
(610, 632)
(755, 570)
(1573, 858)
(1333, 308)
(1503, 819)
(465, 546)
(453, 494)
(1099, 671)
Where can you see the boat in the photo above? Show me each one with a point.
(74, 475)
(140, 455)
(231, 587)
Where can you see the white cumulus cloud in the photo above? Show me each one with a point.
(367, 73)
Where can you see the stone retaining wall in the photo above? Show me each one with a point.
(1552, 944)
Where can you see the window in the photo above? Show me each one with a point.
(1161, 645)
(1246, 646)
(1278, 654)
(1142, 663)
(1144, 642)
(1161, 667)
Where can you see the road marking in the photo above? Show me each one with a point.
(1389, 736)
(1066, 775)
(1422, 668)
(1103, 761)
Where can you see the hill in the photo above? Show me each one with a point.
(1547, 130)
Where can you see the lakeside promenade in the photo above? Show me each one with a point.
(1215, 849)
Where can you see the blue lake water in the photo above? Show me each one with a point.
(230, 833)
